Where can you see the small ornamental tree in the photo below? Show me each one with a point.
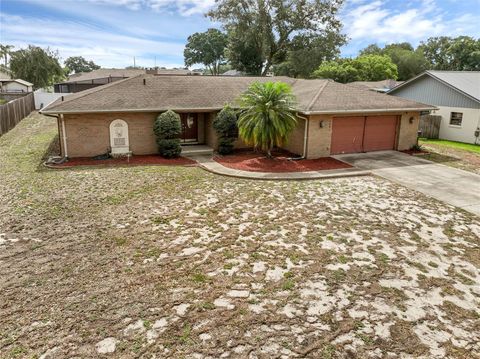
(225, 125)
(267, 115)
(167, 129)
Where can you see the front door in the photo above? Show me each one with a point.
(189, 127)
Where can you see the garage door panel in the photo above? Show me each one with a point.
(347, 134)
(380, 133)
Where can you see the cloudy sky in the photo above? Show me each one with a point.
(112, 32)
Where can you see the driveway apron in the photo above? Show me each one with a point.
(450, 185)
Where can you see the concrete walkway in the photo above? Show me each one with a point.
(450, 185)
(210, 165)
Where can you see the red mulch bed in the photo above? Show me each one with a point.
(123, 161)
(257, 162)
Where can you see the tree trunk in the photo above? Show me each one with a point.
(269, 153)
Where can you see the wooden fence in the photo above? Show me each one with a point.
(430, 126)
(14, 111)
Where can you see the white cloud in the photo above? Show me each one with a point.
(381, 22)
(183, 7)
(108, 49)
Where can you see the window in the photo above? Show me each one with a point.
(456, 118)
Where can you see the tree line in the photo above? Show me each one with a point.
(41, 66)
(302, 38)
(297, 38)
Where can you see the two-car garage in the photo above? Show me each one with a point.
(363, 134)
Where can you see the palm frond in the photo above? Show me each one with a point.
(267, 115)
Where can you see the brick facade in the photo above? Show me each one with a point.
(88, 135)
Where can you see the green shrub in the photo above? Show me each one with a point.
(167, 129)
(225, 145)
(225, 125)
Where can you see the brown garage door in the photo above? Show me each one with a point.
(380, 133)
(363, 134)
(347, 134)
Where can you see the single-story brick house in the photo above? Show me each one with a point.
(333, 118)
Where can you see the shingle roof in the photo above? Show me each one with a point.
(467, 82)
(20, 81)
(103, 73)
(383, 84)
(183, 93)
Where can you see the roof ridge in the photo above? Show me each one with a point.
(98, 89)
(317, 95)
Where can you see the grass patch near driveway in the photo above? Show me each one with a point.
(464, 156)
(452, 144)
(177, 262)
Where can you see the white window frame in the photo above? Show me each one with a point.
(456, 115)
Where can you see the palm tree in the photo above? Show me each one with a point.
(5, 51)
(267, 115)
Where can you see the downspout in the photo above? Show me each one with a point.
(64, 157)
(64, 133)
(305, 142)
(305, 138)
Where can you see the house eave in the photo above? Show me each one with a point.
(210, 109)
(76, 112)
(335, 112)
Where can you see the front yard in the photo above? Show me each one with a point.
(455, 154)
(175, 262)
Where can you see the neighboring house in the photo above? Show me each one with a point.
(87, 80)
(233, 73)
(333, 118)
(4, 75)
(240, 73)
(378, 86)
(15, 86)
(457, 96)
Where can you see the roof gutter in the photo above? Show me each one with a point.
(205, 109)
(208, 109)
(333, 112)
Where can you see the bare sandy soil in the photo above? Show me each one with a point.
(174, 262)
(454, 157)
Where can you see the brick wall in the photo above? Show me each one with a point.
(89, 134)
(319, 138)
(407, 132)
(296, 139)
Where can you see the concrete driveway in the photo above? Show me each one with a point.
(450, 185)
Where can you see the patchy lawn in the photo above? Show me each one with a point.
(173, 262)
(455, 154)
(452, 144)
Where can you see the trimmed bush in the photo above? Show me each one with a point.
(225, 125)
(167, 129)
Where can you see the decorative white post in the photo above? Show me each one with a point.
(119, 138)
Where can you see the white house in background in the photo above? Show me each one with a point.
(457, 96)
(15, 86)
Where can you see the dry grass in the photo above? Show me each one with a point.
(176, 262)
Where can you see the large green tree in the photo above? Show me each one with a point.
(5, 51)
(375, 67)
(409, 62)
(307, 53)
(207, 48)
(362, 68)
(36, 65)
(341, 70)
(267, 115)
(456, 54)
(262, 32)
(76, 64)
